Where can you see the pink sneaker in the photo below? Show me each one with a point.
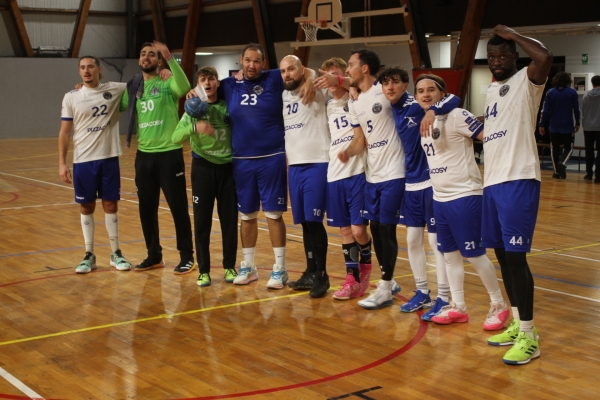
(497, 316)
(450, 314)
(365, 276)
(349, 290)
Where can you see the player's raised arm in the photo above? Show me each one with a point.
(179, 84)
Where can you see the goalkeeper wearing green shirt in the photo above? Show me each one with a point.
(159, 164)
(212, 176)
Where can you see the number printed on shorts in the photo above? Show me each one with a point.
(516, 241)
(195, 199)
(317, 212)
(281, 200)
(147, 105)
(470, 246)
(98, 111)
(432, 221)
(249, 99)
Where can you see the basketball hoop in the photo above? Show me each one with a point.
(310, 28)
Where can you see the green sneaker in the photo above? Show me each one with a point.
(230, 274)
(524, 349)
(87, 264)
(507, 337)
(119, 262)
(203, 279)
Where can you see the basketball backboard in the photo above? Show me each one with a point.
(325, 10)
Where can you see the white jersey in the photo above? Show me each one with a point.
(306, 132)
(510, 151)
(341, 136)
(385, 155)
(95, 116)
(452, 167)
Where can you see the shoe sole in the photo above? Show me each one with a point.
(159, 265)
(85, 272)
(511, 362)
(377, 307)
(426, 305)
(114, 264)
(448, 321)
(203, 284)
(247, 281)
(507, 343)
(186, 272)
(495, 327)
(277, 287)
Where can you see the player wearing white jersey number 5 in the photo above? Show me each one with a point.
(93, 113)
(511, 193)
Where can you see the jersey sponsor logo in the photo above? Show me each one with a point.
(342, 140)
(295, 126)
(439, 170)
(81, 198)
(436, 134)
(377, 107)
(217, 152)
(411, 122)
(473, 123)
(107, 95)
(258, 89)
(495, 135)
(503, 90)
(151, 123)
(98, 128)
(154, 91)
(378, 144)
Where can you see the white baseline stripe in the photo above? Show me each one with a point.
(19, 385)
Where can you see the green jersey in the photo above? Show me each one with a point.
(215, 148)
(157, 114)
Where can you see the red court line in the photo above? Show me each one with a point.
(15, 196)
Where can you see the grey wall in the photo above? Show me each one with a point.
(33, 89)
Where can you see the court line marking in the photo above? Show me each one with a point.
(23, 388)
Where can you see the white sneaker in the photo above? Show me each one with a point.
(395, 288)
(279, 278)
(380, 297)
(246, 275)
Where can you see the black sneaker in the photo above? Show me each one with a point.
(562, 171)
(304, 283)
(148, 264)
(555, 176)
(321, 285)
(588, 177)
(184, 267)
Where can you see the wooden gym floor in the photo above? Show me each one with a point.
(155, 335)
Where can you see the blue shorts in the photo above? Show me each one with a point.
(417, 209)
(261, 181)
(509, 214)
(308, 191)
(100, 179)
(383, 201)
(345, 201)
(459, 226)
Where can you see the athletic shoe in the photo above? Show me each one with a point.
(419, 300)
(507, 337)
(246, 275)
(148, 264)
(555, 176)
(119, 262)
(364, 271)
(524, 349)
(588, 177)
(321, 285)
(230, 274)
(379, 298)
(433, 311)
(87, 265)
(450, 314)
(184, 267)
(279, 278)
(350, 289)
(304, 283)
(395, 288)
(496, 317)
(562, 170)
(203, 279)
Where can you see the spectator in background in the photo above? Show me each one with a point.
(590, 108)
(557, 115)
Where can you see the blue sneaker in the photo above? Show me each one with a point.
(437, 307)
(419, 300)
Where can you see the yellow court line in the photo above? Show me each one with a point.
(541, 252)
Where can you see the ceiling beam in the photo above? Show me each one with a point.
(23, 37)
(413, 45)
(303, 53)
(158, 20)
(79, 30)
(467, 45)
(263, 31)
(188, 56)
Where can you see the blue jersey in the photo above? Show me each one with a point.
(408, 115)
(255, 113)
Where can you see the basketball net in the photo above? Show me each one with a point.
(310, 28)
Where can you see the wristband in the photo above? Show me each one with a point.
(340, 80)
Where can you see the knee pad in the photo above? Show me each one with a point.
(250, 216)
(273, 214)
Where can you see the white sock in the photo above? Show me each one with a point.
(440, 267)
(456, 277)
(527, 327)
(279, 256)
(487, 273)
(87, 226)
(248, 254)
(515, 312)
(112, 227)
(416, 256)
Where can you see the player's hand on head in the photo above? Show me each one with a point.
(307, 92)
(204, 128)
(165, 73)
(65, 173)
(427, 123)
(503, 31)
(163, 49)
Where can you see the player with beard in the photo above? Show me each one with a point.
(159, 162)
(511, 191)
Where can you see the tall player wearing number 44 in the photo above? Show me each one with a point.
(93, 113)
